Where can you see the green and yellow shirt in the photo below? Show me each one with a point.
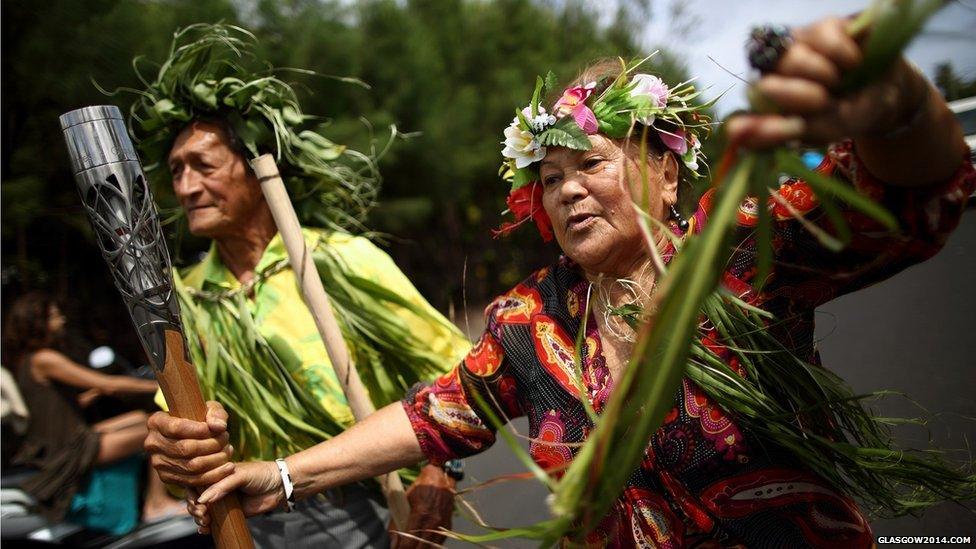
(280, 316)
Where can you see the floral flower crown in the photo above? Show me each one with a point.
(625, 102)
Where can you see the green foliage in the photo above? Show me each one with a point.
(542, 89)
(809, 411)
(534, 103)
(952, 85)
(615, 112)
(447, 73)
(893, 23)
(238, 366)
(523, 177)
(211, 72)
(565, 133)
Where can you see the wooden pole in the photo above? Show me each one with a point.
(317, 301)
(178, 382)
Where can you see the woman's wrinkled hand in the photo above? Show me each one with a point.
(803, 97)
(190, 453)
(257, 483)
(431, 499)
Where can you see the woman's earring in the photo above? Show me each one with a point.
(682, 222)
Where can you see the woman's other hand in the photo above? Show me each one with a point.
(802, 89)
(257, 483)
(431, 499)
(903, 130)
(190, 453)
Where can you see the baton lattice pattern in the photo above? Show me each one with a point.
(123, 216)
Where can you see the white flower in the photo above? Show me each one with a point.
(539, 123)
(542, 121)
(521, 146)
(653, 88)
(527, 113)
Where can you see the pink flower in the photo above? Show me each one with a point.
(573, 102)
(675, 140)
(650, 86)
(571, 98)
(585, 119)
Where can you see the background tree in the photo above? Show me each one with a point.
(446, 72)
(952, 85)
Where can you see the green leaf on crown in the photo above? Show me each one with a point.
(550, 82)
(524, 122)
(616, 109)
(523, 177)
(565, 133)
(535, 96)
(614, 126)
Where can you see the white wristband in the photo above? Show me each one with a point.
(286, 484)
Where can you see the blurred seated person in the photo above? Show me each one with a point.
(87, 473)
(13, 416)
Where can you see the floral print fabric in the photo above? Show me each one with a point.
(703, 481)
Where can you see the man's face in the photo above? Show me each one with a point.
(219, 195)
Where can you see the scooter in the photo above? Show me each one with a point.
(21, 525)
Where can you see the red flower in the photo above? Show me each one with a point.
(526, 202)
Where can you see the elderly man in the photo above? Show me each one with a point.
(266, 361)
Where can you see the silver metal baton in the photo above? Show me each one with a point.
(120, 206)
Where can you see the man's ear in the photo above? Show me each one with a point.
(669, 178)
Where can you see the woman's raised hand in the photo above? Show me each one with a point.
(802, 91)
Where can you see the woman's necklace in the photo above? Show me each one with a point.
(624, 302)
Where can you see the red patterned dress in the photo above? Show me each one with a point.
(704, 482)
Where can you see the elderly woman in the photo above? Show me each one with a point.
(702, 479)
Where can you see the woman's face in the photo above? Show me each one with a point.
(589, 196)
(55, 320)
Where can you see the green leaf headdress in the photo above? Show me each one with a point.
(212, 73)
(619, 106)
